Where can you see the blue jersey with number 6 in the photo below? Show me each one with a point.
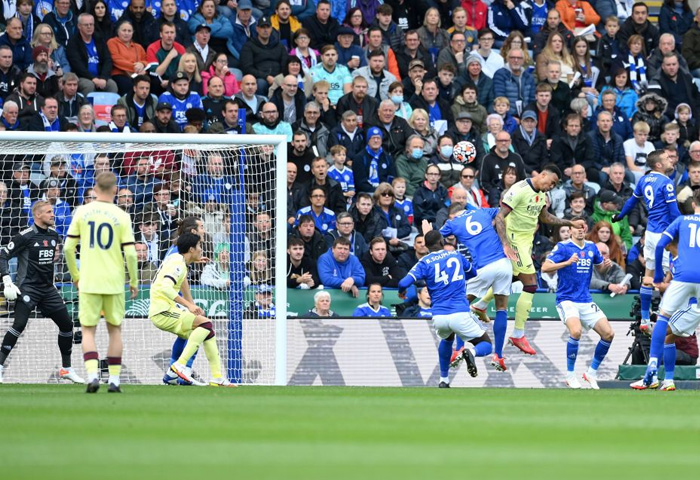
(657, 192)
(446, 274)
(685, 265)
(474, 229)
(573, 282)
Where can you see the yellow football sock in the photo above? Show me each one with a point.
(522, 309)
(195, 339)
(91, 366)
(211, 350)
(484, 301)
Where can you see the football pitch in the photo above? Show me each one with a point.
(59, 432)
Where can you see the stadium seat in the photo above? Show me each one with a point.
(102, 103)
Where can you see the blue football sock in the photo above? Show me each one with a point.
(500, 325)
(571, 354)
(658, 337)
(601, 350)
(645, 298)
(482, 349)
(459, 344)
(444, 355)
(178, 347)
(669, 360)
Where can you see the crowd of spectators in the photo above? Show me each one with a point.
(372, 96)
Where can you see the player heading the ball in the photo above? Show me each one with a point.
(187, 324)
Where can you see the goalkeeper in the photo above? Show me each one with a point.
(188, 324)
(36, 248)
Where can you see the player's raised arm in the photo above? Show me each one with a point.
(500, 224)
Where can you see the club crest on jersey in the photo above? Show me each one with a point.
(590, 254)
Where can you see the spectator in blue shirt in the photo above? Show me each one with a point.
(373, 307)
(338, 269)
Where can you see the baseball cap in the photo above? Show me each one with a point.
(529, 114)
(345, 31)
(202, 26)
(50, 183)
(21, 166)
(416, 63)
(57, 160)
(163, 106)
(464, 116)
(264, 22)
(607, 196)
(245, 5)
(373, 132)
(179, 75)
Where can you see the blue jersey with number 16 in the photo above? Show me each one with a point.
(474, 229)
(685, 265)
(446, 274)
(658, 193)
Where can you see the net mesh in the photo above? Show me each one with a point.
(230, 187)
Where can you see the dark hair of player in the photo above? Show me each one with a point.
(654, 158)
(186, 241)
(551, 168)
(434, 241)
(188, 224)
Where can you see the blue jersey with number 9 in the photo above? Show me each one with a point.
(657, 192)
(446, 274)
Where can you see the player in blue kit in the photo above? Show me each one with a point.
(445, 273)
(574, 260)
(684, 287)
(191, 224)
(474, 229)
(659, 195)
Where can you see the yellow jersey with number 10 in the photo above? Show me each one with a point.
(526, 204)
(103, 229)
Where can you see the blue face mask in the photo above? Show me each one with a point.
(397, 99)
(417, 153)
(446, 151)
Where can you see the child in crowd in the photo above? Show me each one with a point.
(669, 138)
(402, 203)
(687, 126)
(341, 174)
(447, 87)
(501, 106)
(608, 47)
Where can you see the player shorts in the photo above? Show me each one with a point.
(677, 295)
(684, 322)
(94, 305)
(588, 313)
(176, 320)
(521, 243)
(47, 299)
(651, 239)
(498, 275)
(464, 324)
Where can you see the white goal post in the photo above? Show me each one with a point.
(254, 170)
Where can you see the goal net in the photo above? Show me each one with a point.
(229, 182)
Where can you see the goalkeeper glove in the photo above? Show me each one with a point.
(616, 218)
(11, 291)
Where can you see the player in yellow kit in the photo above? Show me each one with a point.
(522, 208)
(188, 324)
(103, 231)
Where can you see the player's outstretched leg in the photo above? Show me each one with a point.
(669, 364)
(456, 356)
(645, 294)
(178, 347)
(656, 349)
(522, 312)
(203, 333)
(18, 325)
(444, 354)
(602, 328)
(482, 347)
(65, 345)
(479, 307)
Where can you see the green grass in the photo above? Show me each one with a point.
(57, 432)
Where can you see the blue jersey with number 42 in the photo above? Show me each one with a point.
(446, 274)
(573, 282)
(685, 265)
(657, 192)
(474, 229)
